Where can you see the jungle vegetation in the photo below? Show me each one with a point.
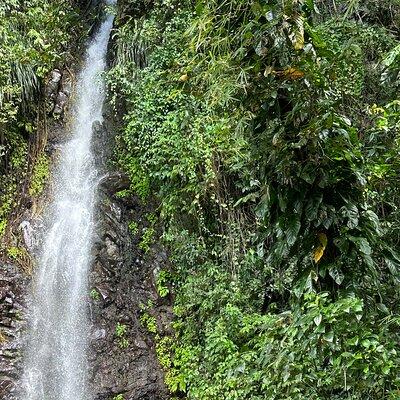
(268, 130)
(36, 36)
(268, 133)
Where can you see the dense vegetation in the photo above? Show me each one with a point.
(268, 131)
(35, 37)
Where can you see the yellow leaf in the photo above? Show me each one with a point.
(289, 73)
(293, 73)
(184, 78)
(318, 253)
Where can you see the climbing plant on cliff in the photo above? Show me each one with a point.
(268, 131)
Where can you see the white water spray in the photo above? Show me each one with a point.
(56, 365)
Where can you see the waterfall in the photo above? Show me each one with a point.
(55, 366)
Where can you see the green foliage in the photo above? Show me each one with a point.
(118, 397)
(148, 233)
(269, 134)
(120, 332)
(35, 36)
(123, 343)
(40, 175)
(322, 349)
(147, 239)
(15, 253)
(149, 322)
(133, 227)
(162, 281)
(122, 194)
(163, 346)
(94, 295)
(3, 226)
(13, 163)
(164, 350)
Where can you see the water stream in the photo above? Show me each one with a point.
(55, 366)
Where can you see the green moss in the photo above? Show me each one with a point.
(133, 227)
(39, 176)
(15, 252)
(122, 194)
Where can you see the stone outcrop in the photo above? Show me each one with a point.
(57, 91)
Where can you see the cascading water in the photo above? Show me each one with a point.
(56, 362)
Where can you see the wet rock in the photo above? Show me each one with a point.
(60, 103)
(115, 182)
(99, 334)
(66, 85)
(103, 292)
(125, 364)
(53, 84)
(13, 286)
(27, 234)
(57, 91)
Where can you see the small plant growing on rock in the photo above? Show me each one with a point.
(3, 226)
(120, 329)
(147, 239)
(151, 218)
(133, 227)
(149, 322)
(39, 176)
(120, 332)
(163, 351)
(161, 283)
(148, 233)
(15, 252)
(118, 397)
(123, 343)
(94, 295)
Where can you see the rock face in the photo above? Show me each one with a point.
(58, 90)
(123, 355)
(12, 309)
